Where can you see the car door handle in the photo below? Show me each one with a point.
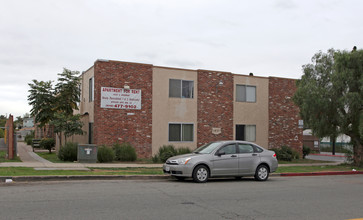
(254, 154)
(234, 155)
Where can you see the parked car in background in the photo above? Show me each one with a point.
(223, 159)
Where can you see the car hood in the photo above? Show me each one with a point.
(183, 156)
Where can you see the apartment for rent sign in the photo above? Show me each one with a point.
(120, 98)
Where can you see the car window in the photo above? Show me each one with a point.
(258, 150)
(245, 148)
(207, 149)
(228, 149)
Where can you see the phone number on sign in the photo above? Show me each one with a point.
(126, 106)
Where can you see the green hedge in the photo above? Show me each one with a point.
(105, 154)
(68, 152)
(286, 153)
(167, 151)
(29, 138)
(124, 152)
(47, 143)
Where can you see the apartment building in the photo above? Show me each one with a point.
(150, 106)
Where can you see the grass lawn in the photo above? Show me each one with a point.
(51, 157)
(3, 157)
(307, 169)
(26, 171)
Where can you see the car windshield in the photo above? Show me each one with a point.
(207, 149)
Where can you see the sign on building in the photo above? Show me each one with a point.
(119, 98)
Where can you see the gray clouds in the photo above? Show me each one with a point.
(269, 38)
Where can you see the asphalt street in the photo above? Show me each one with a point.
(322, 197)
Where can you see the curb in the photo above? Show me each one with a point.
(148, 177)
(322, 173)
(68, 178)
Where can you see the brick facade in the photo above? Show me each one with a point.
(283, 115)
(215, 106)
(115, 125)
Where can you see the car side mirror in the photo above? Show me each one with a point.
(220, 153)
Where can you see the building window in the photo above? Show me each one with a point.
(246, 132)
(181, 88)
(91, 89)
(181, 132)
(90, 133)
(245, 93)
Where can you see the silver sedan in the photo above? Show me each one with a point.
(223, 158)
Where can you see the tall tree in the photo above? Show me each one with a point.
(67, 91)
(316, 98)
(41, 98)
(55, 105)
(329, 96)
(66, 125)
(348, 85)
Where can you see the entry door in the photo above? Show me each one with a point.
(240, 132)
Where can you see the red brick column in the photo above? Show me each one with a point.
(283, 115)
(215, 106)
(9, 126)
(116, 125)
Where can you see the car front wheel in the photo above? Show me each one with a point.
(262, 173)
(200, 174)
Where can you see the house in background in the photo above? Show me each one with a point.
(28, 127)
(309, 140)
(28, 122)
(150, 106)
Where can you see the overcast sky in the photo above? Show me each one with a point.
(267, 37)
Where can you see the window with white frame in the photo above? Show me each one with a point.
(246, 132)
(181, 88)
(179, 132)
(245, 93)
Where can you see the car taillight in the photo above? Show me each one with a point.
(274, 155)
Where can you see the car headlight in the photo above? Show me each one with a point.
(183, 161)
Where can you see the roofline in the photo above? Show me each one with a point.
(184, 69)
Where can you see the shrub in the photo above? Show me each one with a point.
(295, 154)
(155, 159)
(124, 152)
(183, 150)
(47, 143)
(68, 152)
(306, 151)
(29, 138)
(283, 153)
(105, 154)
(2, 133)
(167, 151)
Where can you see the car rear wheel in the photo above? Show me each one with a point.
(262, 173)
(200, 174)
